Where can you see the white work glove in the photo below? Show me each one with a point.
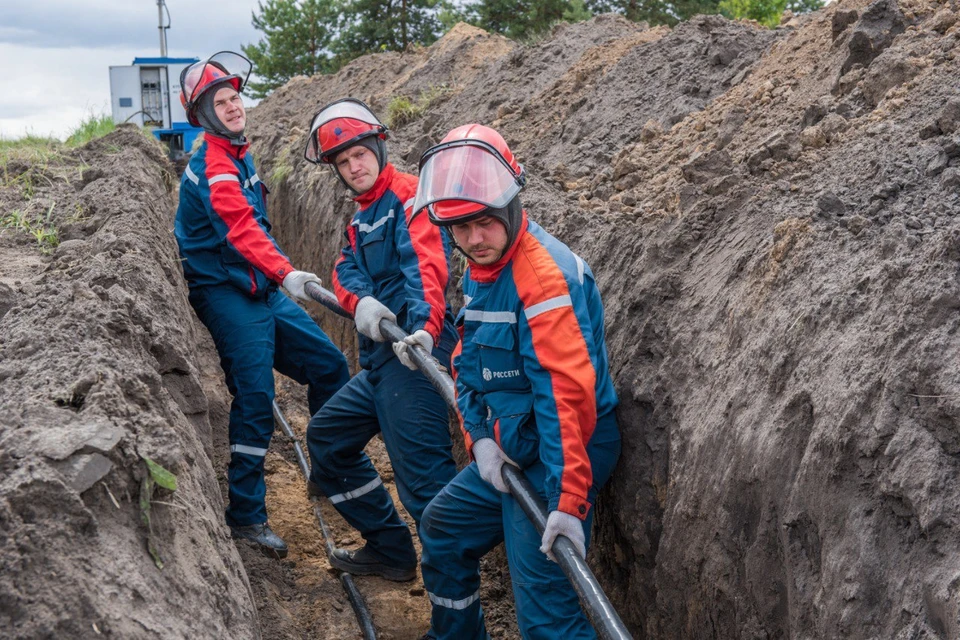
(422, 338)
(295, 281)
(564, 524)
(368, 314)
(490, 458)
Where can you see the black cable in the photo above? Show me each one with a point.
(346, 580)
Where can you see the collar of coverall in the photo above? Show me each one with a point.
(379, 187)
(490, 272)
(227, 144)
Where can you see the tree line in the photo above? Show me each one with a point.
(306, 37)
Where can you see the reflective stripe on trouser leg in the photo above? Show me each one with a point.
(336, 437)
(243, 332)
(459, 527)
(416, 431)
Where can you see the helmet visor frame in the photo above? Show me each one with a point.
(346, 108)
(223, 65)
(467, 170)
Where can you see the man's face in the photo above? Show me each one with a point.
(483, 240)
(228, 106)
(359, 167)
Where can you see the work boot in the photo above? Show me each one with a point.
(263, 538)
(367, 563)
(314, 490)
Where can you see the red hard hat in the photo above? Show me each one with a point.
(470, 171)
(200, 77)
(340, 125)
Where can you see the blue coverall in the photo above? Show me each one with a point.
(233, 266)
(404, 264)
(531, 373)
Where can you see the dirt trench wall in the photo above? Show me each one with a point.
(98, 371)
(773, 220)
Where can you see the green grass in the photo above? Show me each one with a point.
(90, 128)
(41, 229)
(403, 109)
(280, 173)
(29, 150)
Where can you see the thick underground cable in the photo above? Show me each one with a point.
(346, 580)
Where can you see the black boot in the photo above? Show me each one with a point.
(367, 563)
(263, 538)
(314, 490)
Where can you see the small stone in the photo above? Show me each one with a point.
(856, 224)
(651, 131)
(937, 164)
(950, 179)
(83, 471)
(830, 204)
(813, 137)
(949, 117)
(832, 125)
(913, 223)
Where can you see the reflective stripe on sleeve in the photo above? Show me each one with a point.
(191, 175)
(223, 177)
(548, 305)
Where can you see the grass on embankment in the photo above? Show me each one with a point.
(29, 163)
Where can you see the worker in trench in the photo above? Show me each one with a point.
(234, 269)
(391, 267)
(533, 388)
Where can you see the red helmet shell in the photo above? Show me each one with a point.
(338, 126)
(336, 135)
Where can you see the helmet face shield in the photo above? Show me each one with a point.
(339, 125)
(465, 171)
(220, 66)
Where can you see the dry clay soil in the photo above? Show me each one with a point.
(772, 216)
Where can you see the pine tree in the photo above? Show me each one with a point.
(296, 41)
(766, 12)
(525, 18)
(655, 12)
(368, 26)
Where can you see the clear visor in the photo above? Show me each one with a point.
(468, 173)
(344, 109)
(219, 65)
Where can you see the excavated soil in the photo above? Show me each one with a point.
(97, 374)
(772, 216)
(774, 220)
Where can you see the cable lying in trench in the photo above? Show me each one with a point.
(346, 580)
(594, 601)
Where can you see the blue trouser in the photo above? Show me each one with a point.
(254, 337)
(404, 407)
(469, 518)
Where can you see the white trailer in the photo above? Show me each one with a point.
(147, 93)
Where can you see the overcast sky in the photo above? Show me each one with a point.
(55, 54)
